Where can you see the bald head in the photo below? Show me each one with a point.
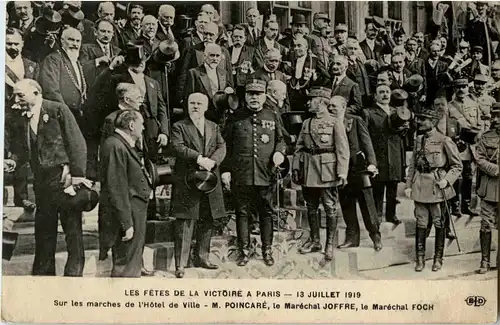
(197, 106)
(209, 9)
(277, 90)
(211, 32)
(106, 10)
(149, 26)
(27, 93)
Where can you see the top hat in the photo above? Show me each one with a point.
(372, 66)
(168, 51)
(398, 97)
(85, 199)
(495, 109)
(399, 32)
(481, 78)
(256, 85)
(414, 83)
(134, 53)
(321, 15)
(299, 19)
(229, 27)
(224, 102)
(160, 174)
(202, 180)
(48, 22)
(469, 135)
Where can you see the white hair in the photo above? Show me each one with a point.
(276, 85)
(166, 9)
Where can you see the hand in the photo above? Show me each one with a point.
(278, 158)
(372, 169)
(129, 233)
(162, 140)
(228, 91)
(442, 183)
(408, 192)
(226, 180)
(102, 59)
(65, 177)
(423, 98)
(117, 61)
(9, 165)
(295, 176)
(81, 180)
(293, 139)
(342, 181)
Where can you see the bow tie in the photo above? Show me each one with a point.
(28, 114)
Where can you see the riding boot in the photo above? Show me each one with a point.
(331, 230)
(485, 238)
(448, 234)
(455, 202)
(466, 197)
(420, 248)
(313, 243)
(438, 249)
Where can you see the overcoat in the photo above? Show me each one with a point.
(486, 154)
(188, 145)
(388, 145)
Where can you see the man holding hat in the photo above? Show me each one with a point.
(72, 9)
(299, 25)
(464, 116)
(200, 150)
(434, 168)
(255, 149)
(486, 155)
(42, 40)
(320, 165)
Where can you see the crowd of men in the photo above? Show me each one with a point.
(99, 101)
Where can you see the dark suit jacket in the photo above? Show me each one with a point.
(160, 35)
(125, 191)
(359, 141)
(357, 73)
(193, 58)
(250, 39)
(350, 91)
(246, 54)
(298, 97)
(59, 83)
(189, 41)
(367, 51)
(88, 54)
(128, 33)
(31, 71)
(59, 140)
(260, 52)
(198, 81)
(394, 83)
(388, 145)
(188, 145)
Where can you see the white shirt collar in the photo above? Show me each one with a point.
(199, 35)
(208, 68)
(127, 137)
(269, 43)
(27, 22)
(135, 74)
(102, 45)
(341, 77)
(385, 108)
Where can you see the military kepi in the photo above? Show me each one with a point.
(256, 85)
(320, 92)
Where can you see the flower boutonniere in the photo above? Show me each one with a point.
(45, 118)
(28, 114)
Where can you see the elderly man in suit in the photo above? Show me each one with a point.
(56, 165)
(166, 16)
(252, 31)
(95, 57)
(198, 146)
(388, 143)
(149, 28)
(361, 159)
(241, 58)
(343, 86)
(210, 78)
(132, 29)
(266, 43)
(17, 68)
(398, 74)
(126, 188)
(195, 56)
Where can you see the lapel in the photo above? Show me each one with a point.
(193, 133)
(199, 57)
(134, 155)
(41, 125)
(340, 85)
(221, 75)
(208, 136)
(150, 90)
(69, 66)
(380, 112)
(29, 68)
(205, 81)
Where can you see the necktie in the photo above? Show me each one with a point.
(23, 26)
(271, 76)
(106, 51)
(335, 82)
(254, 32)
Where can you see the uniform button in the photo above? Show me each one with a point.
(255, 144)
(255, 156)
(255, 149)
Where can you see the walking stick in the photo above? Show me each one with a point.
(451, 219)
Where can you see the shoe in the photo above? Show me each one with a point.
(377, 242)
(420, 248)
(395, 221)
(179, 272)
(145, 272)
(348, 244)
(485, 238)
(310, 246)
(205, 264)
(29, 206)
(242, 260)
(268, 258)
(438, 250)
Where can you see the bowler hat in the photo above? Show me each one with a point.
(398, 97)
(321, 15)
(9, 240)
(49, 22)
(256, 85)
(378, 21)
(85, 199)
(167, 51)
(414, 83)
(202, 180)
(495, 108)
(299, 19)
(134, 53)
(229, 27)
(224, 102)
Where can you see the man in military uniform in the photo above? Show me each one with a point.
(464, 113)
(480, 94)
(486, 154)
(255, 145)
(321, 164)
(434, 167)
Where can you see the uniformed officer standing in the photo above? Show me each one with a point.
(320, 164)
(486, 154)
(433, 169)
(255, 145)
(464, 113)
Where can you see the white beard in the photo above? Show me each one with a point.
(73, 55)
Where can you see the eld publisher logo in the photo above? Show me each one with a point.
(475, 301)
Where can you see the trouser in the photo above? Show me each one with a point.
(390, 188)
(20, 184)
(92, 160)
(247, 199)
(489, 216)
(127, 255)
(313, 196)
(49, 197)
(463, 187)
(364, 196)
(184, 234)
(428, 211)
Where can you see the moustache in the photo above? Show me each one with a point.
(13, 53)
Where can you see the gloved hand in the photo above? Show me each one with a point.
(408, 192)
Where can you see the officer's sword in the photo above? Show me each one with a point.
(447, 208)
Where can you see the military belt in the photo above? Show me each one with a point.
(318, 151)
(426, 169)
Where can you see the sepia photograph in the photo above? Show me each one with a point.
(299, 155)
